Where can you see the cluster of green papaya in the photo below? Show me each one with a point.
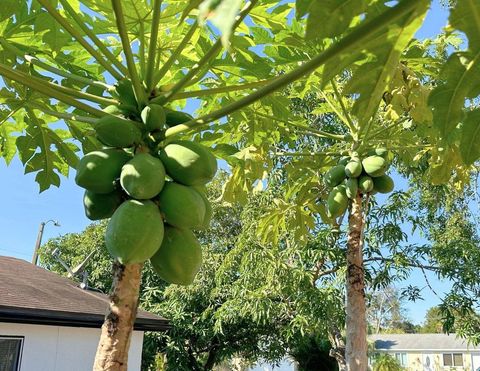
(355, 175)
(153, 194)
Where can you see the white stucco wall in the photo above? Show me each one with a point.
(56, 348)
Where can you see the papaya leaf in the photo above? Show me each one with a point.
(470, 140)
(222, 14)
(372, 77)
(460, 76)
(44, 151)
(331, 18)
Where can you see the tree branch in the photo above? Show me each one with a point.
(223, 89)
(212, 53)
(79, 38)
(410, 264)
(108, 54)
(37, 62)
(63, 89)
(46, 90)
(339, 97)
(357, 36)
(175, 54)
(64, 116)
(152, 47)
(132, 70)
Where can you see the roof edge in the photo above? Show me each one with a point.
(71, 319)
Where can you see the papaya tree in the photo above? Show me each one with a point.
(115, 74)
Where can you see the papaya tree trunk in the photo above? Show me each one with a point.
(356, 322)
(112, 351)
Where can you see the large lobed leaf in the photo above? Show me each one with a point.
(459, 85)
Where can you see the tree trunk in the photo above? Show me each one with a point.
(338, 347)
(356, 322)
(112, 351)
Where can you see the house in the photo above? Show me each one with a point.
(429, 352)
(48, 323)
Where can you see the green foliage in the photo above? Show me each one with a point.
(453, 99)
(312, 353)
(433, 323)
(386, 362)
(218, 80)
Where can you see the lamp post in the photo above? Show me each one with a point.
(39, 238)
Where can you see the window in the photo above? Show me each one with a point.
(10, 353)
(453, 359)
(401, 358)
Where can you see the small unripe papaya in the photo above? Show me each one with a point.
(208, 209)
(182, 206)
(353, 169)
(116, 132)
(143, 176)
(351, 188)
(179, 258)
(98, 170)
(125, 93)
(174, 118)
(154, 117)
(365, 184)
(381, 151)
(374, 165)
(337, 201)
(135, 232)
(189, 163)
(383, 184)
(335, 176)
(344, 160)
(101, 205)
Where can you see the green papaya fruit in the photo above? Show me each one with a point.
(174, 118)
(182, 206)
(337, 201)
(381, 151)
(189, 163)
(335, 176)
(383, 184)
(179, 258)
(113, 110)
(351, 186)
(101, 205)
(135, 231)
(365, 184)
(353, 169)
(125, 93)
(143, 176)
(375, 165)
(116, 132)
(154, 117)
(120, 110)
(208, 209)
(344, 160)
(98, 170)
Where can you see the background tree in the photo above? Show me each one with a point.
(433, 323)
(386, 311)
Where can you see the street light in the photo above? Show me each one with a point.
(39, 238)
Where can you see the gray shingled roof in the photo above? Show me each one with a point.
(30, 294)
(396, 342)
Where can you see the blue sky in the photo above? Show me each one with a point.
(23, 208)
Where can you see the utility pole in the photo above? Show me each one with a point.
(39, 239)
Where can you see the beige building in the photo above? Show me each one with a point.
(429, 352)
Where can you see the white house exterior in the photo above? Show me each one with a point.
(60, 348)
(429, 352)
(48, 323)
